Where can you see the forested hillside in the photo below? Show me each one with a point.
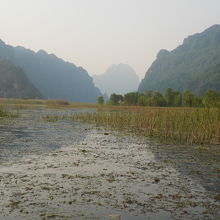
(52, 76)
(194, 65)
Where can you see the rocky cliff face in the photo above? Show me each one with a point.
(194, 65)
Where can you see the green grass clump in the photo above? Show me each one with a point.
(51, 118)
(5, 114)
(185, 125)
(55, 118)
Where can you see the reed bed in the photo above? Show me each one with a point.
(56, 102)
(51, 104)
(6, 101)
(55, 118)
(182, 125)
(5, 114)
(62, 104)
(20, 104)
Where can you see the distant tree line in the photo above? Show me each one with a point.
(171, 98)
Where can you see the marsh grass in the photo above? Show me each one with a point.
(53, 103)
(6, 101)
(6, 114)
(62, 104)
(182, 125)
(51, 118)
(55, 118)
(20, 104)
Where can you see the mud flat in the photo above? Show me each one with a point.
(75, 171)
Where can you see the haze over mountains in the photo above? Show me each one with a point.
(119, 79)
(194, 65)
(52, 76)
(14, 83)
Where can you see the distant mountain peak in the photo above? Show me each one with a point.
(118, 78)
(162, 53)
(42, 52)
(2, 42)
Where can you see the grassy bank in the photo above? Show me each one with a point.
(182, 125)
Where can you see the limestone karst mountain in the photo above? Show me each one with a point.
(118, 79)
(52, 76)
(194, 65)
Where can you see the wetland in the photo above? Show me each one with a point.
(69, 169)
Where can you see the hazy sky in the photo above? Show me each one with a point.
(97, 33)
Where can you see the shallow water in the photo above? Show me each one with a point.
(29, 134)
(67, 170)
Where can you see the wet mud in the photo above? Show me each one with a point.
(69, 170)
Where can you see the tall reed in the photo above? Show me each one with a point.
(186, 125)
(5, 114)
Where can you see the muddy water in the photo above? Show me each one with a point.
(67, 170)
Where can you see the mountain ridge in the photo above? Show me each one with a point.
(52, 76)
(187, 65)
